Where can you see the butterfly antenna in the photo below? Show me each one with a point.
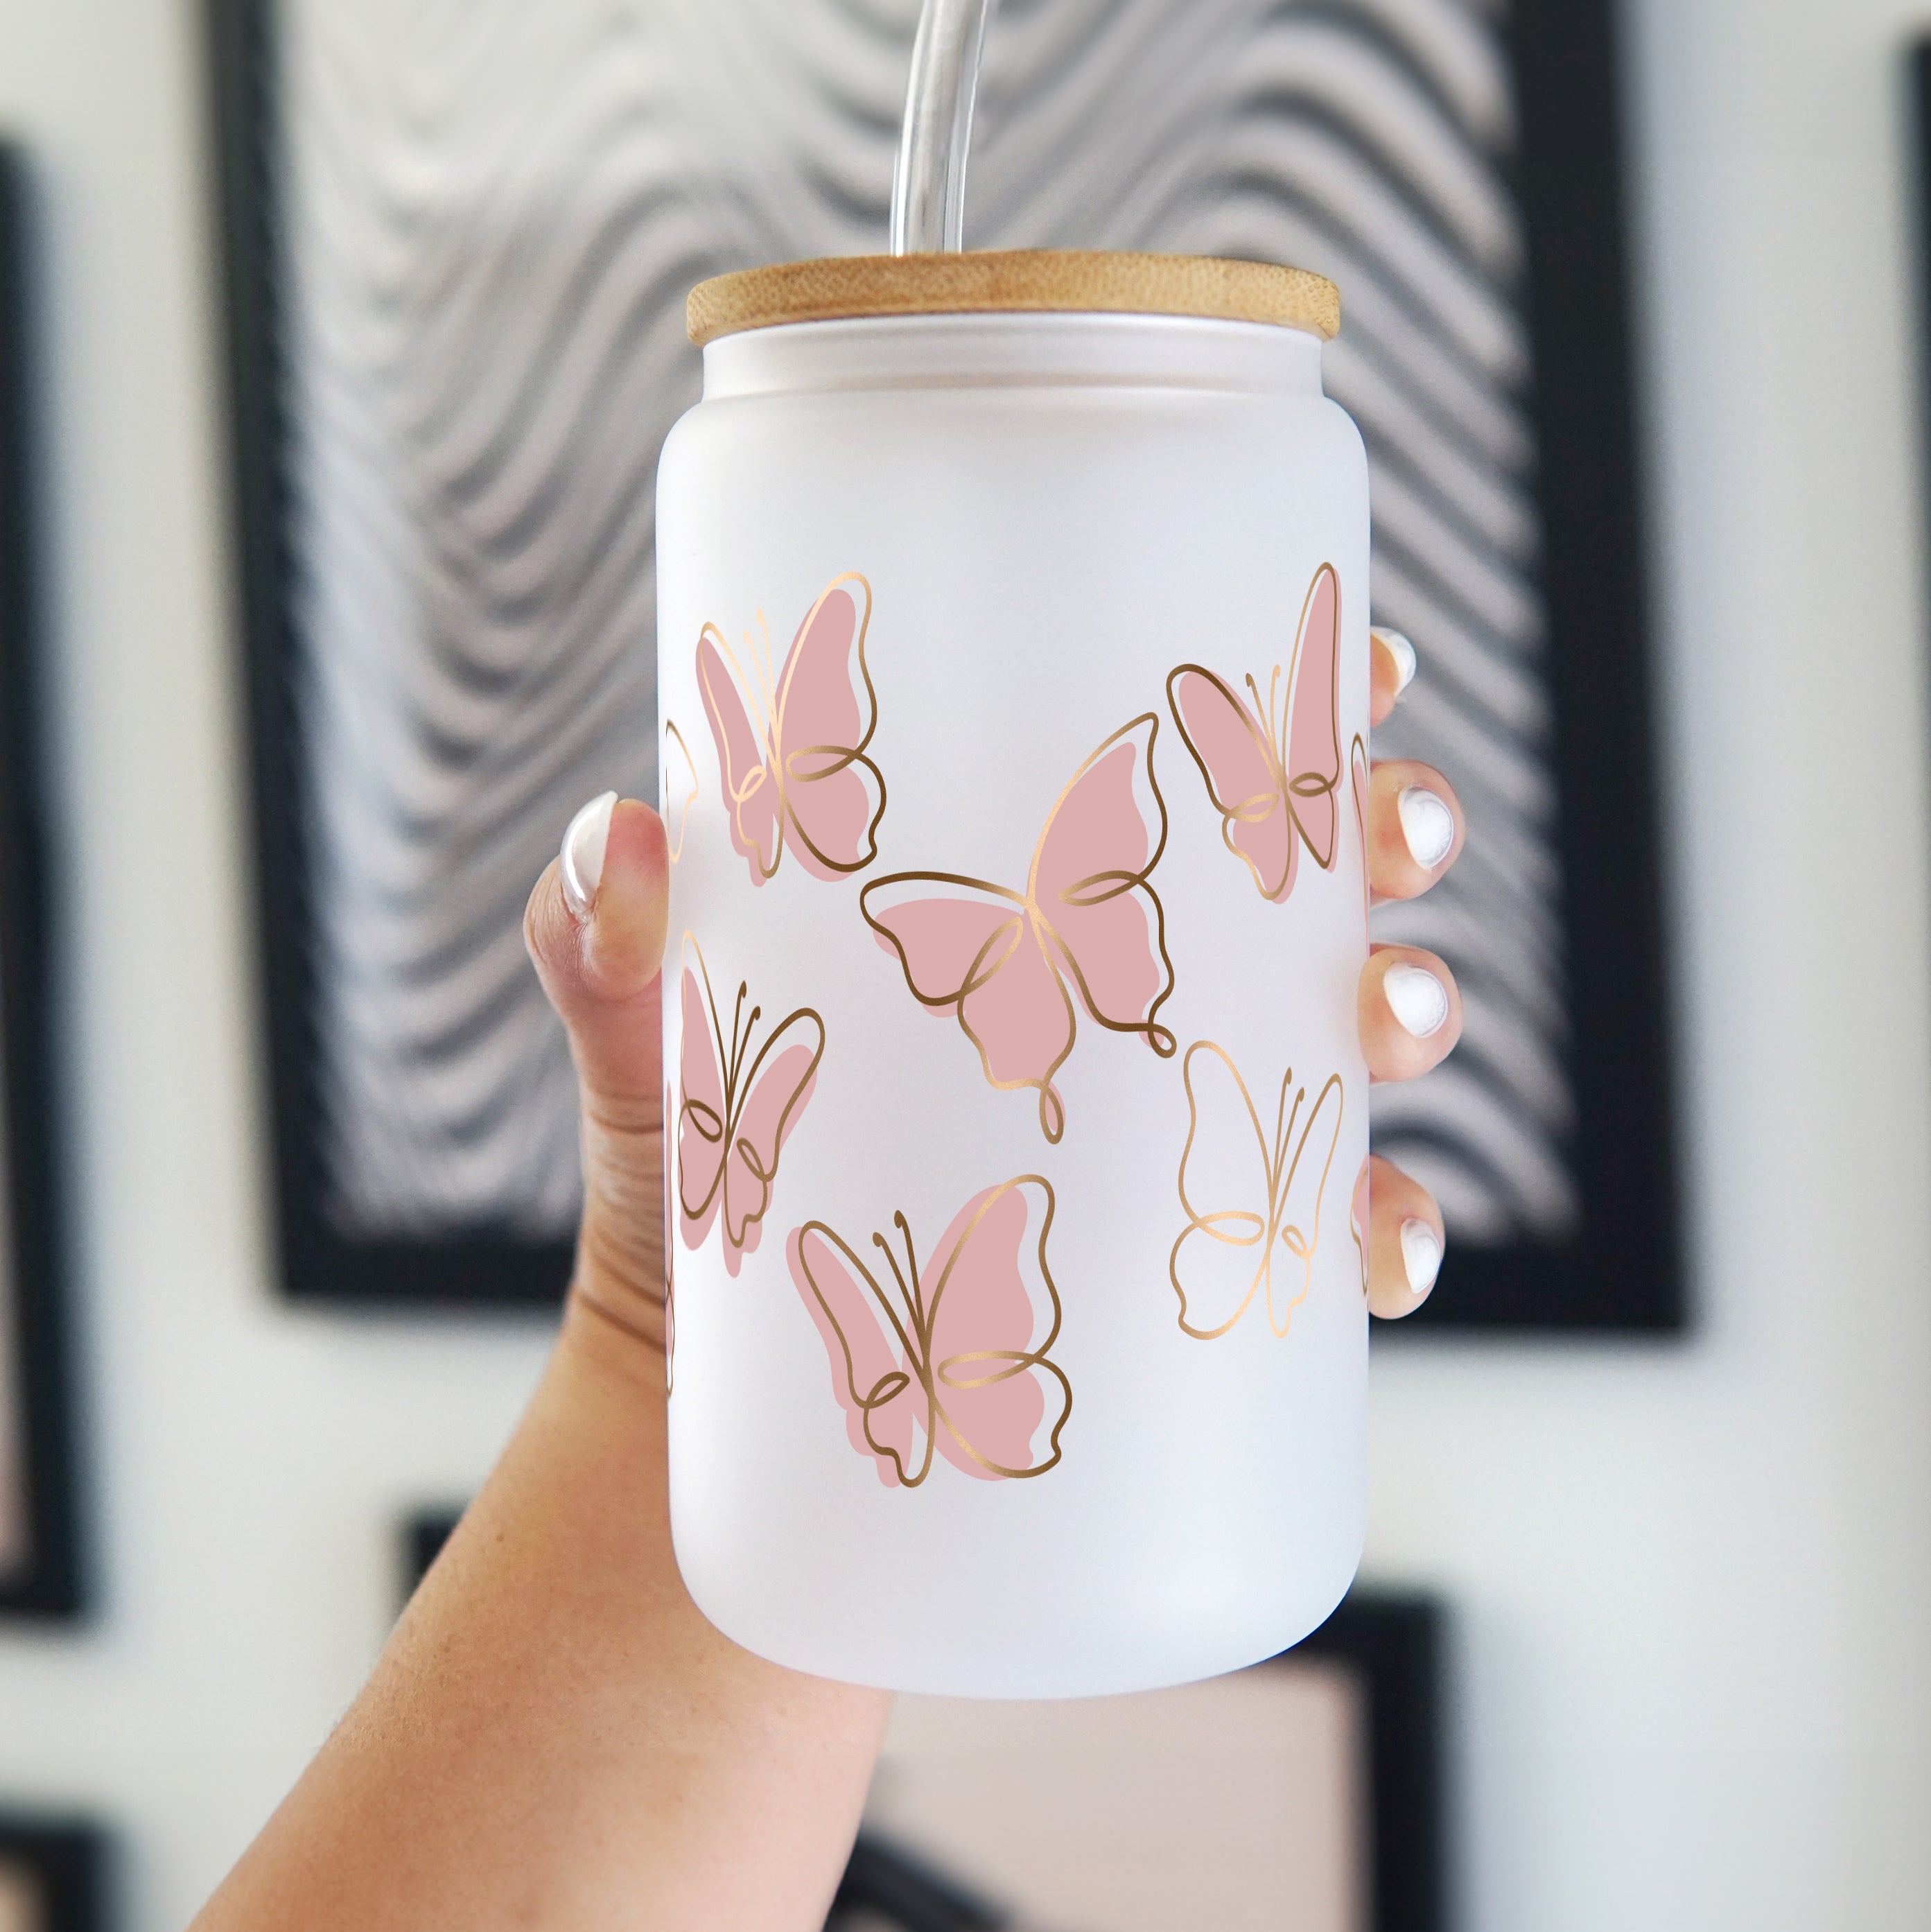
(1284, 1126)
(740, 1035)
(904, 1227)
(909, 1296)
(750, 1027)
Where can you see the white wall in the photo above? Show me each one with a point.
(1694, 1581)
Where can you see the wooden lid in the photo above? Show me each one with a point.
(1080, 281)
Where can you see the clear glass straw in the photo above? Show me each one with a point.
(928, 184)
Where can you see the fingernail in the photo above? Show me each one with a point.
(1427, 824)
(581, 861)
(1421, 1256)
(1418, 999)
(1403, 652)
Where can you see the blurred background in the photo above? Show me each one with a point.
(1685, 1577)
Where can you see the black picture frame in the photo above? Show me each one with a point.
(1620, 1268)
(68, 1861)
(497, 1268)
(1393, 1641)
(32, 1275)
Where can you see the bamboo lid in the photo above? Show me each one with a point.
(1081, 281)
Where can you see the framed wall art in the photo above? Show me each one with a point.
(52, 1876)
(39, 1573)
(1305, 1794)
(460, 243)
(1302, 1795)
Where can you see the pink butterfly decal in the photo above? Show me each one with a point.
(952, 1357)
(1248, 1189)
(737, 1109)
(1273, 767)
(1014, 967)
(791, 743)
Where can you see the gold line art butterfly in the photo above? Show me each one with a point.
(952, 1358)
(1249, 1190)
(1273, 767)
(791, 742)
(678, 787)
(1007, 965)
(736, 1110)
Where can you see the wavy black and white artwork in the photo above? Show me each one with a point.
(480, 218)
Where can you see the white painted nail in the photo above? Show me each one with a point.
(1421, 1256)
(1427, 824)
(1403, 652)
(1417, 998)
(581, 861)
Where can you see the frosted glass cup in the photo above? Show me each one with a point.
(1013, 688)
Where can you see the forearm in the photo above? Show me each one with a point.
(554, 1735)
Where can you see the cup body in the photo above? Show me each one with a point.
(1013, 698)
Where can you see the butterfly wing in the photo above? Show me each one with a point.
(775, 1090)
(1090, 885)
(888, 1413)
(1243, 776)
(1313, 759)
(973, 950)
(751, 793)
(677, 787)
(1312, 1133)
(993, 1315)
(827, 711)
(701, 1107)
(1222, 1257)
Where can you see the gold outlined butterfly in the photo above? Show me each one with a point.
(1009, 966)
(1273, 767)
(1248, 1191)
(736, 1110)
(952, 1358)
(791, 742)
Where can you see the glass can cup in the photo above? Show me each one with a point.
(1013, 696)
